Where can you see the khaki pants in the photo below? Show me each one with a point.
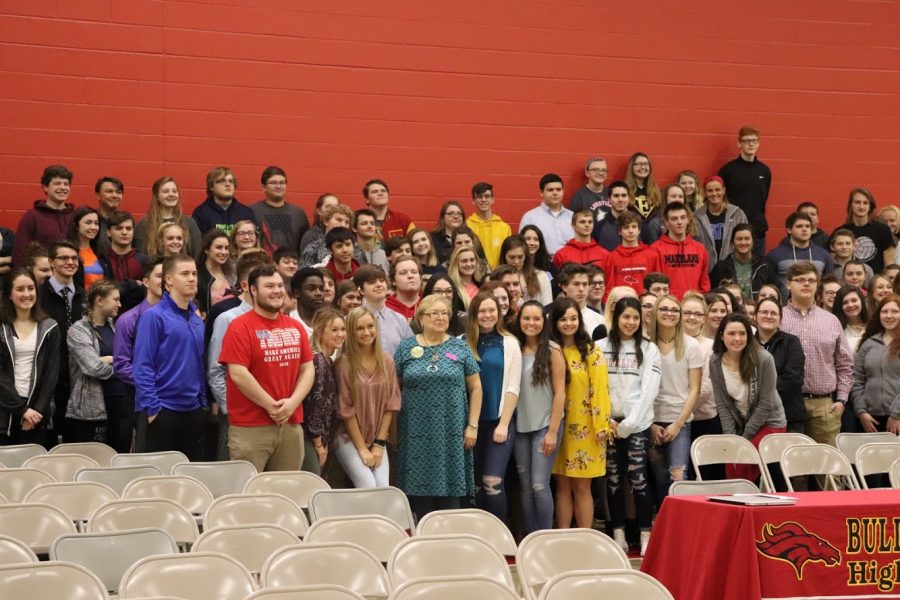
(822, 425)
(268, 448)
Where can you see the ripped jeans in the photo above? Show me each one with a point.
(670, 461)
(534, 478)
(629, 454)
(491, 460)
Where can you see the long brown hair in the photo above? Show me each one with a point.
(154, 218)
(8, 312)
(875, 327)
(749, 360)
(473, 331)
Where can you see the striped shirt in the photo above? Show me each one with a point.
(829, 362)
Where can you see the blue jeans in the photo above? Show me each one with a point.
(361, 475)
(534, 477)
(669, 461)
(491, 460)
(629, 455)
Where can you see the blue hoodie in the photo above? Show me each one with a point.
(210, 215)
(168, 359)
(786, 254)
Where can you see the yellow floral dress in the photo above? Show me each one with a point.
(587, 414)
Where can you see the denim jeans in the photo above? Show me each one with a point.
(670, 461)
(534, 477)
(629, 455)
(361, 475)
(491, 460)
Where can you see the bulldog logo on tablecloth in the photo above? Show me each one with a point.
(792, 543)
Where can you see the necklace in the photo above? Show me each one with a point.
(669, 341)
(435, 357)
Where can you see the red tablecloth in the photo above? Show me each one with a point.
(828, 545)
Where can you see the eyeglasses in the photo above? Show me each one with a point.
(750, 141)
(671, 310)
(641, 164)
(803, 280)
(447, 292)
(829, 293)
(691, 314)
(436, 314)
(453, 213)
(66, 258)
(277, 183)
(246, 234)
(598, 283)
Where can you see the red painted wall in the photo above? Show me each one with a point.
(433, 96)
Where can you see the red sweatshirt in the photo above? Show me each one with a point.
(582, 253)
(628, 266)
(686, 263)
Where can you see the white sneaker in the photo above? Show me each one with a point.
(619, 537)
(645, 540)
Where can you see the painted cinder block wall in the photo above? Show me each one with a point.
(434, 96)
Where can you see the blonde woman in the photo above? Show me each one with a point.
(690, 182)
(644, 191)
(368, 398)
(165, 207)
(466, 273)
(329, 333)
(170, 239)
(244, 236)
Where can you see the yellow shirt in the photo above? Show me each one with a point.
(491, 232)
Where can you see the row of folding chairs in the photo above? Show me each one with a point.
(799, 455)
(231, 562)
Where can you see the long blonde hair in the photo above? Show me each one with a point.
(679, 328)
(160, 234)
(453, 272)
(154, 218)
(322, 319)
(353, 353)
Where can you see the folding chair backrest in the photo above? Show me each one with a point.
(388, 502)
(119, 515)
(452, 588)
(339, 563)
(15, 484)
(306, 592)
(446, 556)
(875, 458)
(78, 500)
(713, 488)
(895, 474)
(296, 485)
(101, 453)
(819, 459)
(772, 446)
(181, 489)
(13, 457)
(50, 581)
(250, 545)
(117, 478)
(14, 552)
(849, 443)
(34, 524)
(726, 449)
(544, 554)
(221, 478)
(248, 509)
(164, 461)
(470, 521)
(109, 555)
(196, 575)
(379, 535)
(617, 584)
(62, 467)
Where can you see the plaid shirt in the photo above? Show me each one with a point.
(829, 362)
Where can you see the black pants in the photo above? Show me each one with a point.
(85, 431)
(17, 436)
(422, 505)
(120, 423)
(170, 430)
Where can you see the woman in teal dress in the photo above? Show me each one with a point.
(438, 422)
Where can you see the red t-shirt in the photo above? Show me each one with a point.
(273, 350)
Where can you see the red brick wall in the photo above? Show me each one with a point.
(433, 96)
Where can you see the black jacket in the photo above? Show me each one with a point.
(790, 364)
(45, 371)
(761, 273)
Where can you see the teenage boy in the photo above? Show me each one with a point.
(597, 289)
(372, 283)
(749, 271)
(582, 248)
(221, 210)
(606, 230)
(125, 262)
(593, 196)
(62, 299)
(748, 180)
(828, 375)
(874, 240)
(796, 247)
(316, 252)
(388, 223)
(308, 288)
(489, 227)
(123, 345)
(340, 243)
(397, 248)
(574, 280)
(550, 216)
(365, 229)
(818, 237)
(109, 191)
(270, 372)
(843, 243)
(286, 263)
(656, 283)
(170, 388)
(631, 260)
(681, 257)
(49, 219)
(282, 225)
(511, 280)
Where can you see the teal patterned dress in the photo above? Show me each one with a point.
(431, 460)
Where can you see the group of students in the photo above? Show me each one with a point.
(430, 360)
